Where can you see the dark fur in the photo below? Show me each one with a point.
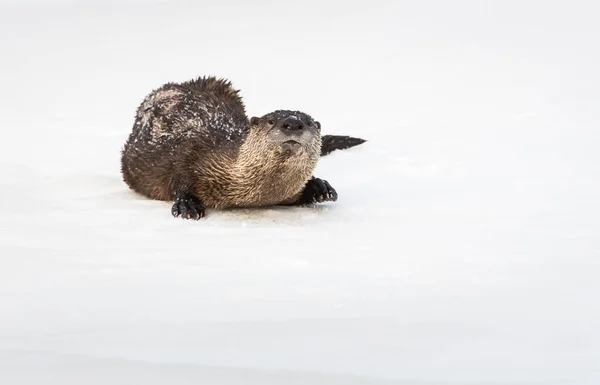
(192, 143)
(330, 143)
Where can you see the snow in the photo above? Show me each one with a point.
(464, 248)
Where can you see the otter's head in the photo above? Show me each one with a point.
(288, 134)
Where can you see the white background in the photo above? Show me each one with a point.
(464, 248)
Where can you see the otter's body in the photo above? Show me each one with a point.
(193, 144)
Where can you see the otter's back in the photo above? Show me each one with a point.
(206, 109)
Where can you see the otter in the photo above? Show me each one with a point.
(193, 144)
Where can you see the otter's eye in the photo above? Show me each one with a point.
(271, 122)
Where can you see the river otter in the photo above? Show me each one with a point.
(193, 144)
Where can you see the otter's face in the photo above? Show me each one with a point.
(289, 133)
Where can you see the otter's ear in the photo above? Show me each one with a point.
(254, 121)
(318, 125)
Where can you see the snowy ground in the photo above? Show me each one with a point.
(464, 248)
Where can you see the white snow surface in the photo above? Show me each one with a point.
(464, 248)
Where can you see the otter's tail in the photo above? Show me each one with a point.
(336, 142)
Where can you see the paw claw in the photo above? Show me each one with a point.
(188, 207)
(318, 191)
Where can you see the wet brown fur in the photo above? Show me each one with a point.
(195, 136)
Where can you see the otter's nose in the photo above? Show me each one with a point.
(292, 124)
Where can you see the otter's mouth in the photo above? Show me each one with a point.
(291, 147)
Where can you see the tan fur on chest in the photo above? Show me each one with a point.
(267, 182)
(272, 186)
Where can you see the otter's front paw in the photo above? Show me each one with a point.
(188, 207)
(318, 190)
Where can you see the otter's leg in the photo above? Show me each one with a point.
(315, 190)
(187, 206)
